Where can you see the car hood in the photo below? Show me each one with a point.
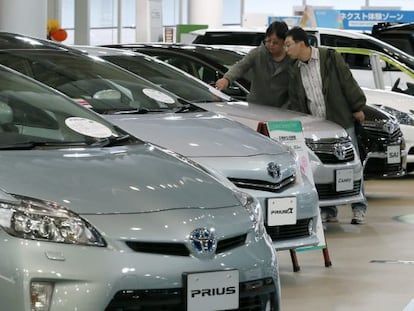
(250, 114)
(201, 134)
(399, 101)
(127, 179)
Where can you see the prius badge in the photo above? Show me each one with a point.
(274, 170)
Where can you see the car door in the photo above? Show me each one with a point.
(361, 69)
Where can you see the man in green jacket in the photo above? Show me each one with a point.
(321, 84)
(268, 65)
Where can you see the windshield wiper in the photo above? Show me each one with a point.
(111, 141)
(134, 111)
(28, 145)
(188, 108)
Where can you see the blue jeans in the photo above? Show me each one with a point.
(363, 205)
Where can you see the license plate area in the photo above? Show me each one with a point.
(281, 211)
(393, 154)
(344, 180)
(213, 290)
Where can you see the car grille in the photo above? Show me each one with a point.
(327, 191)
(253, 297)
(255, 184)
(376, 139)
(298, 230)
(331, 151)
(376, 167)
(179, 249)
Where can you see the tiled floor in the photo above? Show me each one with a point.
(372, 264)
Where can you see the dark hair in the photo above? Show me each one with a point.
(298, 34)
(278, 28)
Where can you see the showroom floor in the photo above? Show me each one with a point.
(372, 264)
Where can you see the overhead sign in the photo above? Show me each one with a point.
(365, 19)
(362, 20)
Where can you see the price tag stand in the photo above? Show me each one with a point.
(291, 133)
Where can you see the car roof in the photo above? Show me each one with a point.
(14, 41)
(389, 27)
(228, 29)
(102, 51)
(189, 47)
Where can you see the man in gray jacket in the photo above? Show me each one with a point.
(268, 65)
(321, 84)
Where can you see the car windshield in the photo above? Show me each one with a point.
(169, 78)
(34, 116)
(91, 81)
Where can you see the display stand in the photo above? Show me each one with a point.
(295, 262)
(291, 134)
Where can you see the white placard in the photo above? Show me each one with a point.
(281, 211)
(218, 290)
(158, 96)
(344, 179)
(393, 154)
(88, 127)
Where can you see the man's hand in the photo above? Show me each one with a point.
(359, 116)
(222, 84)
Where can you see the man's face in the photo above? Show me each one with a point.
(292, 48)
(274, 44)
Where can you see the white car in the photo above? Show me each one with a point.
(374, 69)
(402, 107)
(349, 38)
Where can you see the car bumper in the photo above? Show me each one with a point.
(326, 184)
(377, 165)
(90, 278)
(300, 232)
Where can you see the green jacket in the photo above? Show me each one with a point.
(342, 94)
(268, 87)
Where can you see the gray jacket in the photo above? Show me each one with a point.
(268, 87)
(341, 92)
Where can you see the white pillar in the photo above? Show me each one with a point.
(54, 10)
(206, 12)
(82, 24)
(24, 17)
(149, 21)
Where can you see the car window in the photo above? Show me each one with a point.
(31, 114)
(369, 43)
(93, 82)
(357, 61)
(403, 44)
(167, 77)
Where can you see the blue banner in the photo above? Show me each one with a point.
(365, 19)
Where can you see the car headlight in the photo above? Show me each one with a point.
(401, 116)
(255, 211)
(35, 219)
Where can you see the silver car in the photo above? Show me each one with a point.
(260, 166)
(92, 218)
(329, 148)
